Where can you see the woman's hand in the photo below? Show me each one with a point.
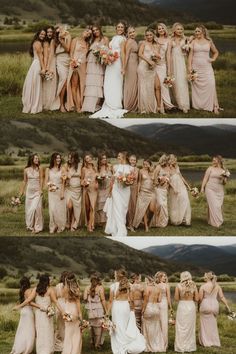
(15, 308)
(211, 60)
(152, 64)
(62, 196)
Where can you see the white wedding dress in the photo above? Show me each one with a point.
(113, 86)
(116, 207)
(126, 338)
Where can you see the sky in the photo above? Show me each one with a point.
(143, 242)
(123, 123)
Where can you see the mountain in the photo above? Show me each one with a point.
(81, 255)
(218, 259)
(86, 11)
(221, 11)
(218, 139)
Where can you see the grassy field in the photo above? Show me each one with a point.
(12, 219)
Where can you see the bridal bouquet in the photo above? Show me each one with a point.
(15, 201)
(49, 75)
(192, 76)
(108, 325)
(126, 179)
(67, 317)
(162, 180)
(168, 81)
(87, 182)
(172, 318)
(105, 55)
(52, 187)
(225, 174)
(185, 47)
(194, 192)
(50, 311)
(75, 63)
(232, 315)
(101, 178)
(84, 324)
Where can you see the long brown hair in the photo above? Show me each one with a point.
(100, 157)
(30, 161)
(24, 285)
(72, 287)
(35, 39)
(53, 159)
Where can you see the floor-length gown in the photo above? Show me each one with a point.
(116, 207)
(145, 197)
(131, 76)
(146, 84)
(204, 87)
(32, 94)
(126, 338)
(50, 86)
(73, 194)
(44, 327)
(137, 294)
(56, 205)
(113, 85)
(25, 334)
(133, 199)
(60, 323)
(179, 204)
(185, 326)
(91, 191)
(93, 93)
(103, 192)
(209, 309)
(151, 328)
(161, 70)
(163, 306)
(62, 66)
(214, 191)
(179, 71)
(73, 335)
(161, 217)
(80, 53)
(33, 201)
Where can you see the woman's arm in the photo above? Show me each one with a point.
(168, 295)
(177, 295)
(205, 179)
(72, 48)
(196, 296)
(39, 51)
(201, 294)
(168, 58)
(79, 309)
(65, 42)
(145, 300)
(46, 180)
(109, 305)
(215, 52)
(190, 59)
(103, 299)
(86, 293)
(41, 179)
(24, 183)
(223, 299)
(53, 298)
(45, 54)
(51, 54)
(123, 56)
(156, 174)
(29, 299)
(141, 56)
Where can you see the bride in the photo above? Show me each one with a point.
(113, 81)
(126, 337)
(116, 206)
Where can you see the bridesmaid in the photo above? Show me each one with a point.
(73, 191)
(77, 71)
(63, 43)
(149, 99)
(54, 181)
(94, 295)
(179, 204)
(104, 176)
(209, 309)
(204, 87)
(151, 327)
(213, 186)
(133, 193)
(73, 333)
(90, 190)
(177, 66)
(60, 323)
(163, 285)
(49, 86)
(25, 334)
(136, 295)
(32, 98)
(33, 187)
(186, 295)
(116, 206)
(163, 41)
(146, 196)
(93, 93)
(130, 66)
(162, 182)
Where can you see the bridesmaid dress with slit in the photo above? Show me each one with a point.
(91, 191)
(133, 199)
(103, 192)
(44, 327)
(73, 194)
(214, 191)
(73, 335)
(163, 306)
(25, 334)
(161, 217)
(60, 323)
(32, 94)
(204, 87)
(50, 86)
(33, 201)
(131, 76)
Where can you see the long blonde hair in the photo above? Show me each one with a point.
(159, 275)
(175, 25)
(188, 286)
(165, 28)
(205, 32)
(72, 287)
(212, 277)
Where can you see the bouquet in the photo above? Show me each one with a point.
(155, 59)
(126, 179)
(84, 324)
(232, 315)
(50, 311)
(75, 63)
(194, 192)
(52, 187)
(101, 178)
(192, 76)
(87, 182)
(105, 55)
(49, 75)
(185, 47)
(67, 317)
(172, 318)
(108, 325)
(15, 201)
(225, 174)
(168, 81)
(162, 180)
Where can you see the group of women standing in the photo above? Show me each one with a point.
(65, 73)
(117, 197)
(139, 313)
